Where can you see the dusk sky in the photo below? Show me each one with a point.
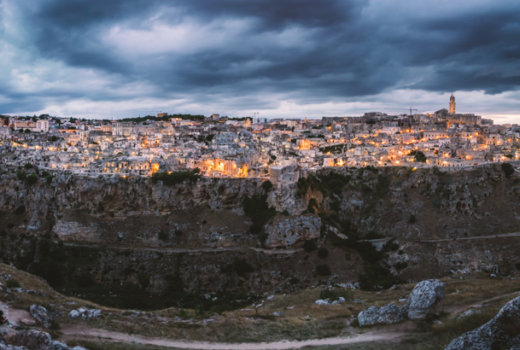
(277, 58)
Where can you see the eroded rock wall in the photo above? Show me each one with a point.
(195, 236)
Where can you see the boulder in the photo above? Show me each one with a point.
(422, 302)
(424, 299)
(92, 314)
(387, 314)
(41, 315)
(30, 339)
(328, 301)
(57, 345)
(85, 313)
(33, 339)
(501, 332)
(74, 314)
(4, 346)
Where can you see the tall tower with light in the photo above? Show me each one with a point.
(452, 105)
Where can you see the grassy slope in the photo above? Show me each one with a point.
(302, 318)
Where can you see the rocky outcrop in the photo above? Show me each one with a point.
(33, 339)
(41, 315)
(4, 346)
(424, 299)
(387, 314)
(75, 230)
(286, 231)
(85, 314)
(501, 332)
(283, 199)
(328, 301)
(30, 339)
(115, 232)
(422, 302)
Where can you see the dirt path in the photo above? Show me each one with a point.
(76, 332)
(187, 250)
(17, 317)
(473, 238)
(458, 309)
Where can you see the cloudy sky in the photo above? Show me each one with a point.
(277, 58)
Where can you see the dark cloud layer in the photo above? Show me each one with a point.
(307, 50)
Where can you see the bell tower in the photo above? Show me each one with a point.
(452, 105)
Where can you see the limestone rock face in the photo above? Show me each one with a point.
(387, 314)
(41, 315)
(284, 199)
(74, 230)
(285, 231)
(501, 332)
(135, 224)
(425, 298)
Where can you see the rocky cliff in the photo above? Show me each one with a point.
(210, 238)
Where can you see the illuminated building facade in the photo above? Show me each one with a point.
(452, 105)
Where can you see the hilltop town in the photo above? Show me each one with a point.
(310, 228)
(279, 149)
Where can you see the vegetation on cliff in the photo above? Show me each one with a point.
(259, 211)
(419, 156)
(176, 177)
(167, 117)
(508, 169)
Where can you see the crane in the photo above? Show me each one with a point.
(412, 109)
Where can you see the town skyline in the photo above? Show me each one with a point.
(500, 119)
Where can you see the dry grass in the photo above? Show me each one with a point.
(300, 317)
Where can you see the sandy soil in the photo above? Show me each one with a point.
(76, 332)
(17, 317)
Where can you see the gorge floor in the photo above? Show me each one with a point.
(284, 321)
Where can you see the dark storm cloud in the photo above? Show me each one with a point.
(275, 14)
(480, 52)
(305, 49)
(68, 31)
(81, 13)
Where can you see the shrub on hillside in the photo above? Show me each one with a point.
(267, 186)
(163, 235)
(176, 177)
(336, 293)
(323, 270)
(19, 210)
(258, 210)
(12, 283)
(508, 169)
(309, 245)
(333, 182)
(376, 277)
(323, 252)
(31, 179)
(239, 266)
(419, 156)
